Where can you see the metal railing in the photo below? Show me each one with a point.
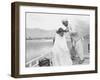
(34, 62)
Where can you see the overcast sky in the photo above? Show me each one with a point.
(53, 21)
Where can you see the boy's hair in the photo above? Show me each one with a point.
(60, 30)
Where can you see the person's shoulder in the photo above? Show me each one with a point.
(56, 35)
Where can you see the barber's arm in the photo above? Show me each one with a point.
(72, 30)
(66, 30)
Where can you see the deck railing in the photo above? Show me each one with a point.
(35, 62)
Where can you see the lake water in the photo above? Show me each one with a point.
(35, 48)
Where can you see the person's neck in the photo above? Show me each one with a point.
(60, 36)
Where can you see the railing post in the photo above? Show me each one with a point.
(30, 65)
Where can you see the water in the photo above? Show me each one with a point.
(36, 48)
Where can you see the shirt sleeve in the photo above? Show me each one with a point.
(71, 28)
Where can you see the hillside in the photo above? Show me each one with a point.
(39, 33)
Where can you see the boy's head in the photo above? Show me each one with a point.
(60, 31)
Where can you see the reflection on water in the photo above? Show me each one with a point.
(36, 48)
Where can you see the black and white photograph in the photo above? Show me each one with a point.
(52, 39)
(57, 39)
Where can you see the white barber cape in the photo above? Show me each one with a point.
(60, 52)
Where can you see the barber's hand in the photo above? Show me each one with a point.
(66, 31)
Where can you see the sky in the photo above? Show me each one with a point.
(51, 21)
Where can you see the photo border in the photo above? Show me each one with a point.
(15, 32)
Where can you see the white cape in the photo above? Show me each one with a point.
(60, 51)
